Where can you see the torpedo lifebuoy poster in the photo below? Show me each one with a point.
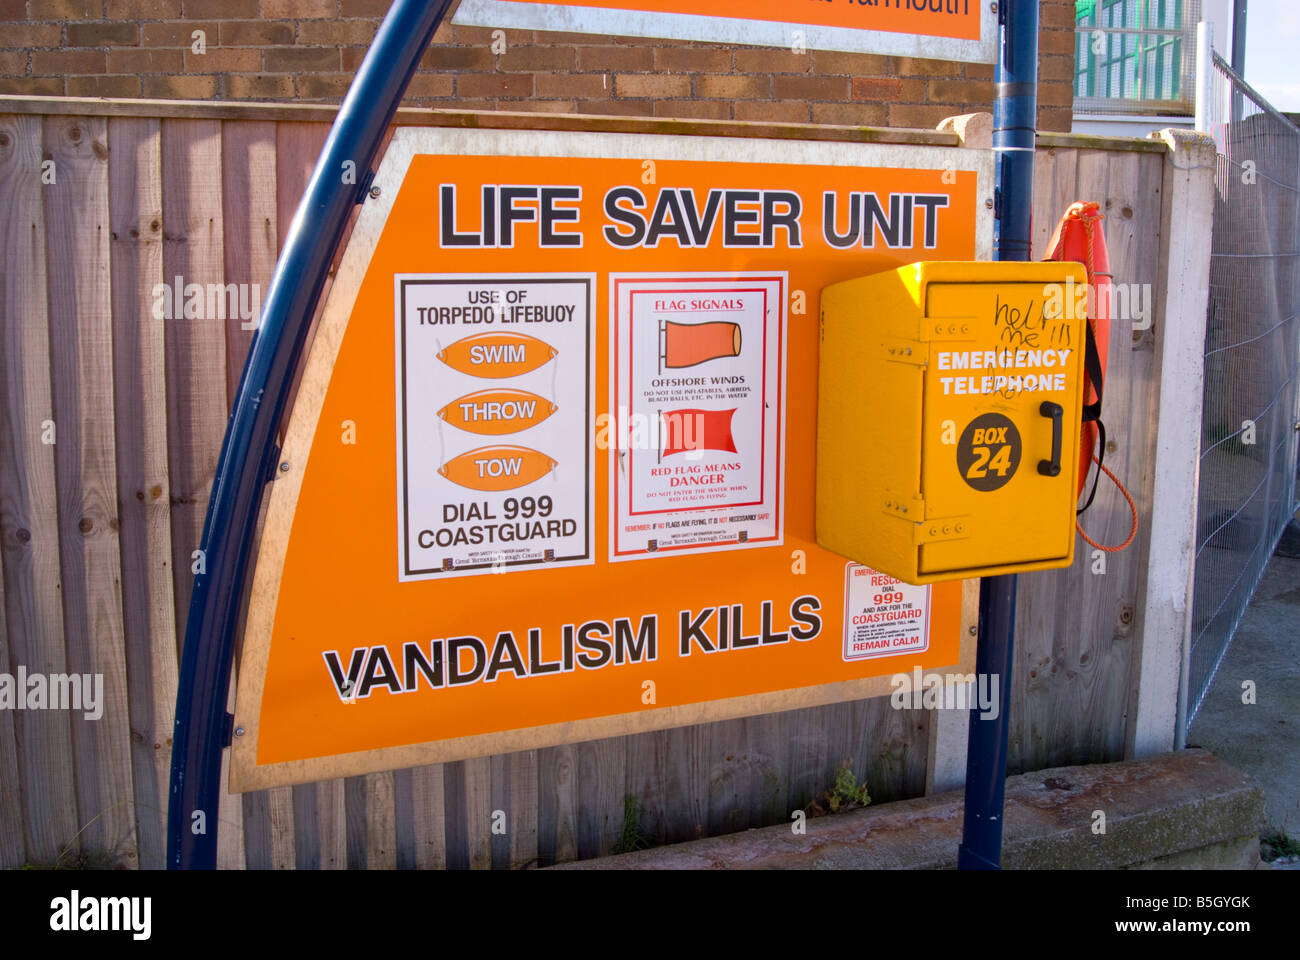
(698, 405)
(495, 403)
(549, 475)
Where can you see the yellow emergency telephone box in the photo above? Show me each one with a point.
(948, 419)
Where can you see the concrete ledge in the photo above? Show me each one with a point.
(1177, 810)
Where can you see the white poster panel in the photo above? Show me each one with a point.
(495, 413)
(697, 412)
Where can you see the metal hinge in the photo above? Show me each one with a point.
(913, 508)
(907, 351)
(941, 529)
(948, 328)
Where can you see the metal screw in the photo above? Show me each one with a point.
(993, 8)
(988, 204)
(374, 192)
(974, 630)
(284, 466)
(239, 731)
(1297, 424)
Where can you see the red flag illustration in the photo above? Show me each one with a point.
(693, 429)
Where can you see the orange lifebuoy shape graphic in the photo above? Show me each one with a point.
(689, 344)
(497, 468)
(495, 412)
(497, 355)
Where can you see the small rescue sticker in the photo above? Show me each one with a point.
(883, 617)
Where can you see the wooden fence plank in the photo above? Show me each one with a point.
(250, 230)
(770, 769)
(28, 509)
(521, 768)
(11, 823)
(381, 831)
(297, 146)
(602, 782)
(499, 804)
(81, 350)
(354, 800)
(809, 758)
(144, 488)
(427, 799)
(418, 817)
(1102, 659)
(249, 217)
(557, 805)
(193, 254)
(648, 783)
(687, 815)
(889, 749)
(477, 812)
(320, 826)
(1145, 409)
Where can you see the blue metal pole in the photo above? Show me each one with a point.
(249, 452)
(1014, 121)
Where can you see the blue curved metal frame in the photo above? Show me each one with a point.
(249, 452)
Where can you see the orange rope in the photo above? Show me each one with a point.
(1131, 506)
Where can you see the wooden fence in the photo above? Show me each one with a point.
(110, 425)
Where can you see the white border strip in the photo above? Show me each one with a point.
(682, 26)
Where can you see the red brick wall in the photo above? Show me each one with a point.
(308, 50)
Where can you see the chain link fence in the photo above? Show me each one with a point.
(1248, 467)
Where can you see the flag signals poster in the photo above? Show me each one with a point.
(698, 406)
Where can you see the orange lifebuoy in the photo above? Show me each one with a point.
(1079, 239)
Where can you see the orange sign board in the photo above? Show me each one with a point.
(942, 29)
(551, 469)
(959, 19)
